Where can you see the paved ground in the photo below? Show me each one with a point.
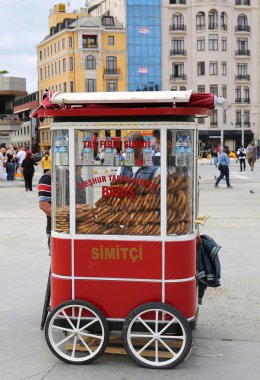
(227, 339)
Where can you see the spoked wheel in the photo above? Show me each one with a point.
(157, 336)
(77, 332)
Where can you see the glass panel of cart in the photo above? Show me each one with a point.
(60, 181)
(117, 183)
(179, 181)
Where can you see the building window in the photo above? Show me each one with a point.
(223, 68)
(223, 21)
(90, 62)
(201, 68)
(40, 55)
(201, 43)
(41, 77)
(201, 89)
(108, 20)
(224, 91)
(58, 45)
(71, 64)
(214, 118)
(111, 85)
(48, 71)
(242, 23)
(70, 42)
(178, 45)
(223, 44)
(213, 42)
(213, 68)
(178, 70)
(48, 51)
(238, 119)
(238, 94)
(55, 68)
(177, 21)
(63, 43)
(90, 85)
(242, 46)
(200, 20)
(110, 40)
(246, 95)
(64, 87)
(89, 42)
(213, 20)
(174, 88)
(64, 65)
(55, 47)
(71, 86)
(213, 89)
(247, 118)
(111, 65)
(182, 88)
(242, 70)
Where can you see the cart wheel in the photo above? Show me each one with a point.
(157, 336)
(77, 332)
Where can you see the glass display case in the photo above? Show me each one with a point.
(118, 179)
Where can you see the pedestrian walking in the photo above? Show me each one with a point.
(46, 162)
(28, 171)
(223, 165)
(20, 157)
(251, 154)
(241, 155)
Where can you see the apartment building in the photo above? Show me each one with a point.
(10, 89)
(81, 53)
(207, 46)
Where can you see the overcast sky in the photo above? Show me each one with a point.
(23, 24)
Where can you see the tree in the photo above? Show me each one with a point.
(4, 72)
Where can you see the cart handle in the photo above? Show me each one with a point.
(201, 219)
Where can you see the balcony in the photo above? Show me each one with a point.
(242, 2)
(238, 100)
(242, 52)
(178, 77)
(242, 77)
(213, 25)
(246, 100)
(89, 46)
(181, 27)
(242, 28)
(178, 52)
(223, 27)
(201, 27)
(112, 72)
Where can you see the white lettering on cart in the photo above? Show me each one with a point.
(117, 253)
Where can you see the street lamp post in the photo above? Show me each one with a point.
(242, 130)
(221, 101)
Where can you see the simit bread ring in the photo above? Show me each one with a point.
(185, 182)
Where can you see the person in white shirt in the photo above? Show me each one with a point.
(241, 155)
(20, 156)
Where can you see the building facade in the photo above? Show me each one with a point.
(81, 53)
(211, 47)
(27, 135)
(10, 89)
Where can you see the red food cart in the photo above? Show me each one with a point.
(124, 231)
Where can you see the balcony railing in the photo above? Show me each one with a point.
(177, 27)
(178, 52)
(242, 28)
(242, 2)
(238, 100)
(178, 77)
(246, 100)
(242, 77)
(177, 1)
(201, 27)
(213, 25)
(242, 52)
(89, 46)
(111, 71)
(223, 27)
